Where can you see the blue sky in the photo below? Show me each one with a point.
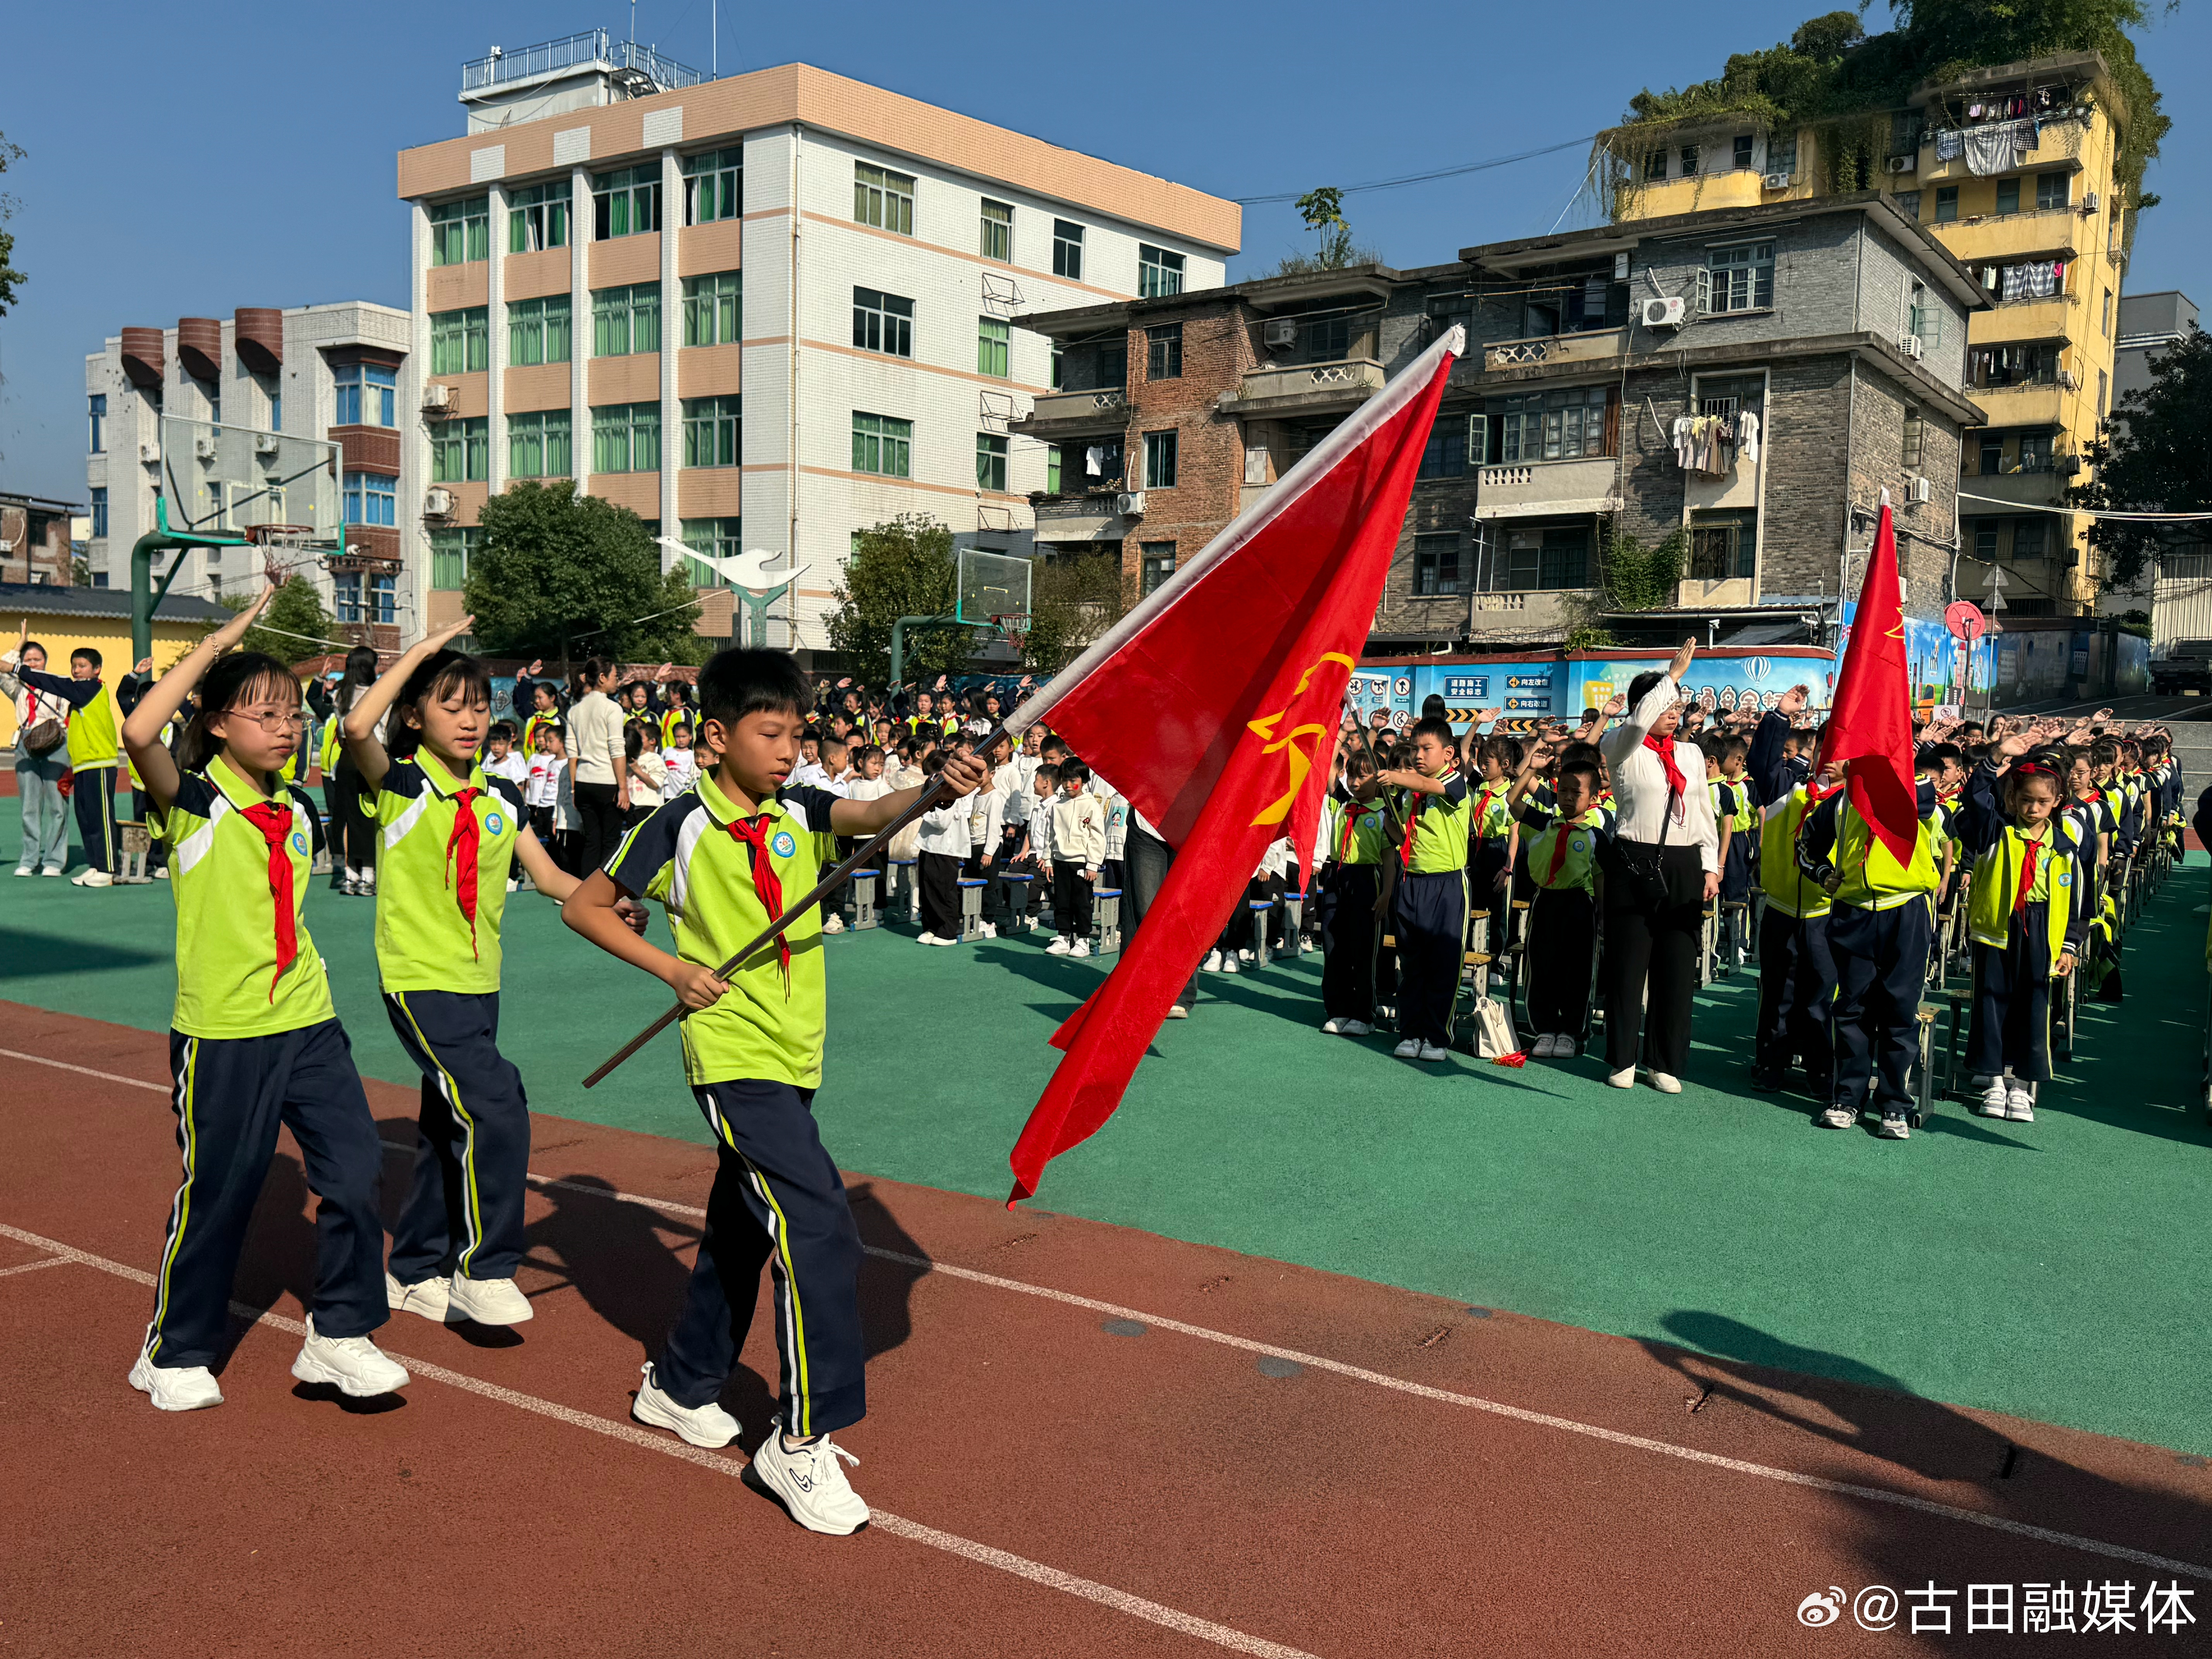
(243, 154)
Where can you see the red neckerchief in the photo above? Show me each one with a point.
(1347, 836)
(752, 834)
(1558, 849)
(1664, 748)
(2028, 862)
(275, 823)
(1413, 812)
(462, 845)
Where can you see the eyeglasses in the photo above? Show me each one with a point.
(270, 719)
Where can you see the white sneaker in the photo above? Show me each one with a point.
(427, 1297)
(990, 931)
(25, 871)
(1244, 956)
(707, 1425)
(1839, 1117)
(2020, 1101)
(161, 873)
(1213, 963)
(488, 1301)
(1334, 1027)
(1894, 1127)
(50, 872)
(925, 938)
(1059, 947)
(1666, 1083)
(1229, 961)
(812, 1488)
(92, 878)
(351, 1364)
(1358, 1028)
(1993, 1100)
(513, 885)
(1409, 1049)
(1176, 1011)
(1544, 1048)
(1430, 1051)
(1081, 948)
(172, 1388)
(1623, 1078)
(834, 925)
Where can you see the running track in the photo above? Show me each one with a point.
(1084, 1440)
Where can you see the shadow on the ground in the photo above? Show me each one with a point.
(49, 955)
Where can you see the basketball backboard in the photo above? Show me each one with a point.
(988, 587)
(227, 480)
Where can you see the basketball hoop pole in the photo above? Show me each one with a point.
(145, 598)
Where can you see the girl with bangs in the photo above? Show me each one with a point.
(448, 832)
(254, 1041)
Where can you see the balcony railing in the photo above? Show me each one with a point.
(1355, 376)
(1595, 343)
(587, 49)
(1104, 404)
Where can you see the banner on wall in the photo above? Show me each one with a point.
(1943, 669)
(1529, 691)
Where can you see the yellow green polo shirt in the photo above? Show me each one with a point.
(1441, 827)
(423, 942)
(769, 1027)
(225, 914)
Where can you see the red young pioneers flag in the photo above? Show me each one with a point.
(1213, 708)
(1871, 725)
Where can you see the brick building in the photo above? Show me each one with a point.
(34, 538)
(1840, 324)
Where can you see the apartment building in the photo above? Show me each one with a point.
(766, 311)
(2012, 168)
(1753, 377)
(2151, 324)
(333, 372)
(35, 535)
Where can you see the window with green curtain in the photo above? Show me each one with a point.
(991, 462)
(538, 218)
(625, 320)
(460, 451)
(992, 334)
(626, 438)
(883, 198)
(998, 240)
(713, 186)
(626, 202)
(712, 431)
(452, 549)
(537, 445)
(460, 232)
(714, 306)
(1052, 468)
(538, 332)
(882, 444)
(712, 539)
(460, 341)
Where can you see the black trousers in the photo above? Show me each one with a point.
(352, 832)
(1346, 907)
(1562, 956)
(92, 796)
(1797, 984)
(939, 874)
(1486, 895)
(601, 825)
(1430, 920)
(1146, 859)
(778, 1200)
(464, 1209)
(1882, 970)
(1071, 901)
(229, 1096)
(1651, 968)
(2012, 1002)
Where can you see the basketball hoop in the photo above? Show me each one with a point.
(1012, 626)
(284, 548)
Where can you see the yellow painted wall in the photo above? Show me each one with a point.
(110, 637)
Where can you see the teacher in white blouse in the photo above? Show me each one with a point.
(1664, 867)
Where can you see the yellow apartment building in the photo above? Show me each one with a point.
(2013, 168)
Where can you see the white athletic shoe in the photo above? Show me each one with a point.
(925, 938)
(1623, 1078)
(1357, 1028)
(990, 931)
(1564, 1047)
(1334, 1027)
(813, 1489)
(1838, 1117)
(707, 1425)
(1666, 1083)
(1081, 948)
(427, 1297)
(351, 1364)
(1992, 1103)
(1060, 947)
(1430, 1051)
(1176, 1011)
(161, 873)
(92, 878)
(1894, 1127)
(1409, 1049)
(488, 1301)
(1229, 962)
(1213, 963)
(50, 872)
(1544, 1047)
(25, 871)
(176, 1389)
(833, 924)
(2020, 1101)
(1244, 956)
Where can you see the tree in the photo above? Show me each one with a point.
(2154, 460)
(294, 626)
(1323, 211)
(901, 567)
(566, 575)
(1072, 602)
(10, 278)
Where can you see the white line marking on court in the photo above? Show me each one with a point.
(1360, 1374)
(1036, 1572)
(86, 1071)
(34, 1266)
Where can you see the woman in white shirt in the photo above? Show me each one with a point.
(1662, 866)
(597, 766)
(39, 774)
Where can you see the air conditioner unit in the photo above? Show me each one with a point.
(1922, 491)
(1777, 181)
(205, 446)
(1130, 503)
(1282, 333)
(2089, 202)
(149, 451)
(438, 501)
(2067, 382)
(1665, 313)
(1905, 163)
(436, 395)
(1911, 346)
(265, 443)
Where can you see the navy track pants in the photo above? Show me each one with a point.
(464, 1209)
(1431, 916)
(1881, 971)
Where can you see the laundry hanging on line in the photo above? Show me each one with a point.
(2037, 280)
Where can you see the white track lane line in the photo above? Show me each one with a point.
(1382, 1380)
(1036, 1572)
(34, 1266)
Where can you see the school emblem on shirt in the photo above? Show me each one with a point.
(1576, 844)
(2065, 877)
(783, 846)
(494, 822)
(300, 842)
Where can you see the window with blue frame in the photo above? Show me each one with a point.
(371, 498)
(97, 404)
(99, 512)
(367, 395)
